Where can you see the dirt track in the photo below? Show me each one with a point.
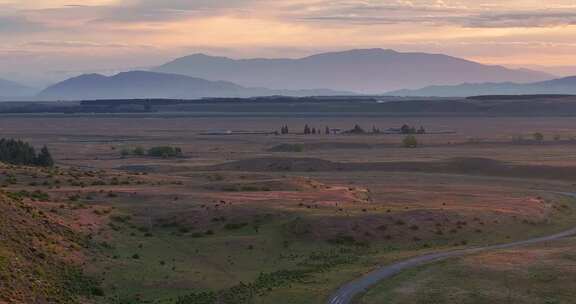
(348, 292)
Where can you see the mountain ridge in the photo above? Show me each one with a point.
(10, 88)
(146, 84)
(564, 85)
(360, 70)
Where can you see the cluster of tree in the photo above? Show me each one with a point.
(17, 152)
(356, 130)
(160, 151)
(406, 129)
(359, 130)
(312, 130)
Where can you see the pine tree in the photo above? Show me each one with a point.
(44, 159)
(16, 152)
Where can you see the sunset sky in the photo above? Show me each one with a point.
(48, 39)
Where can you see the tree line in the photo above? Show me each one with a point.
(357, 129)
(18, 152)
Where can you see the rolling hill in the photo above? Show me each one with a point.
(143, 84)
(365, 71)
(12, 89)
(564, 86)
(36, 255)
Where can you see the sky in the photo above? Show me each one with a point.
(48, 40)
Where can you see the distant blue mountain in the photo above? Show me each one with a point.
(12, 89)
(143, 84)
(365, 71)
(565, 85)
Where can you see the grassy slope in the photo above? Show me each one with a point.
(530, 275)
(33, 257)
(172, 263)
(297, 268)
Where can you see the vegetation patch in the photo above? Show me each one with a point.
(17, 152)
(159, 151)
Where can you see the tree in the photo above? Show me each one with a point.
(405, 129)
(44, 159)
(125, 152)
(307, 130)
(357, 130)
(410, 141)
(538, 136)
(17, 152)
(139, 151)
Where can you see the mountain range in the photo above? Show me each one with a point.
(372, 71)
(565, 85)
(13, 89)
(145, 84)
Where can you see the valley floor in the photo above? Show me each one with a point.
(238, 221)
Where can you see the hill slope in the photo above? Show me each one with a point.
(32, 256)
(141, 84)
(565, 85)
(12, 89)
(366, 71)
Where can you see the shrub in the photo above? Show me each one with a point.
(139, 151)
(410, 141)
(538, 136)
(288, 148)
(235, 226)
(164, 151)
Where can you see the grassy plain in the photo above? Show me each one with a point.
(186, 230)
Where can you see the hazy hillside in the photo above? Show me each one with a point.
(366, 71)
(557, 86)
(12, 89)
(140, 84)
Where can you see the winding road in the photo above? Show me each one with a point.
(348, 292)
